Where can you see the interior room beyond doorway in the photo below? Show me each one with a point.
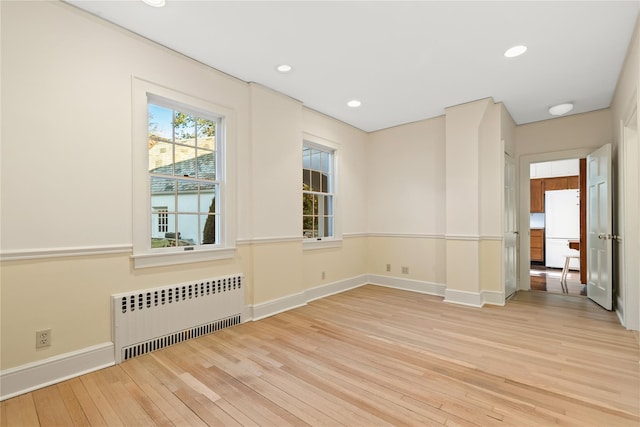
(558, 225)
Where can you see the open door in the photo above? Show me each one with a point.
(599, 237)
(510, 232)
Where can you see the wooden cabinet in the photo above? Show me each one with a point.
(537, 244)
(551, 184)
(540, 185)
(537, 195)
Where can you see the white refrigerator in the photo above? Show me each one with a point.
(562, 223)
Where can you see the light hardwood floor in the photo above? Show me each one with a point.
(368, 357)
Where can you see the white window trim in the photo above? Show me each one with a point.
(143, 256)
(336, 240)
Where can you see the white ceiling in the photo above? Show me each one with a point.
(405, 61)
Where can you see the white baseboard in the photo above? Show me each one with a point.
(408, 284)
(289, 302)
(335, 287)
(278, 305)
(472, 299)
(32, 376)
(492, 297)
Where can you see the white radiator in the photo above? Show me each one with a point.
(151, 319)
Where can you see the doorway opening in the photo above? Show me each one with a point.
(558, 226)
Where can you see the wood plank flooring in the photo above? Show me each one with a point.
(548, 280)
(372, 356)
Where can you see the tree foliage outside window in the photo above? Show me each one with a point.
(209, 233)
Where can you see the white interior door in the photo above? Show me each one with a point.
(510, 232)
(599, 237)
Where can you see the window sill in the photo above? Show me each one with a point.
(147, 260)
(311, 244)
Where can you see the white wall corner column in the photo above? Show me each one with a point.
(473, 175)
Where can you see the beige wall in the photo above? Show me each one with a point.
(68, 79)
(406, 179)
(348, 261)
(490, 170)
(424, 256)
(463, 124)
(588, 130)
(276, 160)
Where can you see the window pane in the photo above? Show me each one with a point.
(209, 224)
(328, 226)
(307, 204)
(156, 226)
(160, 188)
(188, 230)
(207, 203)
(185, 164)
(310, 227)
(161, 157)
(315, 205)
(160, 123)
(315, 181)
(207, 143)
(206, 166)
(167, 238)
(206, 134)
(315, 159)
(306, 158)
(185, 128)
(325, 162)
(327, 205)
(306, 179)
(187, 197)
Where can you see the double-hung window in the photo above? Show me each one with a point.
(183, 176)
(318, 191)
(182, 208)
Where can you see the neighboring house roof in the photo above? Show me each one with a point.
(205, 164)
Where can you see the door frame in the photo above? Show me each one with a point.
(524, 211)
(507, 158)
(628, 225)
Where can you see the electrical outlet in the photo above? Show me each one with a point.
(323, 275)
(405, 270)
(43, 338)
(388, 267)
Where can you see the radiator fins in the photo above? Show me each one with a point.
(177, 337)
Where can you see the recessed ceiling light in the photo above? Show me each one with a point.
(354, 103)
(284, 68)
(514, 51)
(155, 3)
(560, 109)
